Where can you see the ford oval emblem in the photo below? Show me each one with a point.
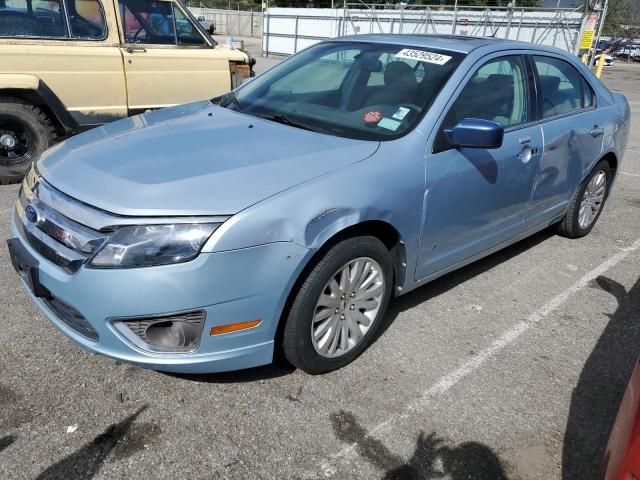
(31, 213)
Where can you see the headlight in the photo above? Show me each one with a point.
(148, 245)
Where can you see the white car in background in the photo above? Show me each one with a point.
(608, 60)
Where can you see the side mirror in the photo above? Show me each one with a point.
(476, 133)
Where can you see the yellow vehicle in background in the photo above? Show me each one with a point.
(69, 65)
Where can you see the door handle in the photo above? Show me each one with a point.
(595, 131)
(132, 49)
(524, 140)
(526, 154)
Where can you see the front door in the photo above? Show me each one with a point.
(167, 61)
(477, 198)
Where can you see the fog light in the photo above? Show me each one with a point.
(173, 333)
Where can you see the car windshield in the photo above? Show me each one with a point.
(367, 91)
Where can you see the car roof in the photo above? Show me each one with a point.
(454, 43)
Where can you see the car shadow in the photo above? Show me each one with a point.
(433, 457)
(277, 369)
(601, 385)
(451, 280)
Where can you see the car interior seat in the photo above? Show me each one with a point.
(400, 85)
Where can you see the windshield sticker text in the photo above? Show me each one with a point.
(389, 124)
(422, 56)
(401, 112)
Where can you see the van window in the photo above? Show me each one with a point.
(31, 18)
(187, 33)
(149, 22)
(86, 19)
(46, 19)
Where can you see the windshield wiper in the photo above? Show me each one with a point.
(280, 118)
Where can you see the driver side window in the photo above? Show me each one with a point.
(497, 92)
(148, 22)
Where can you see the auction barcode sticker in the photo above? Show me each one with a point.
(422, 56)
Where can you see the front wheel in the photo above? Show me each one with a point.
(25, 132)
(339, 306)
(586, 206)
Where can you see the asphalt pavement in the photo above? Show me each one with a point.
(511, 368)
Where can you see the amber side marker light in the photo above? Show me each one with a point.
(234, 327)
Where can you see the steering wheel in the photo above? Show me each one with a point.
(138, 32)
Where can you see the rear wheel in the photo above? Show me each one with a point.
(25, 132)
(339, 306)
(586, 206)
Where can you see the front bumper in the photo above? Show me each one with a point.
(231, 286)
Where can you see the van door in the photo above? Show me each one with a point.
(167, 60)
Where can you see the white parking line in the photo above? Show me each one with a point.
(446, 382)
(630, 174)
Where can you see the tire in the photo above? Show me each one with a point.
(25, 132)
(360, 255)
(570, 226)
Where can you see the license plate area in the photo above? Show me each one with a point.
(27, 267)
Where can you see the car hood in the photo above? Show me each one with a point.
(195, 159)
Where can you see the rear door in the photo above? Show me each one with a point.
(573, 135)
(477, 198)
(166, 59)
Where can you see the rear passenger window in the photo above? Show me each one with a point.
(562, 87)
(587, 94)
(31, 18)
(86, 19)
(46, 19)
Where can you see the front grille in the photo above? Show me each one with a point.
(72, 318)
(62, 241)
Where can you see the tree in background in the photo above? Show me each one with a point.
(620, 17)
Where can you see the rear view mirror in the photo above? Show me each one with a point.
(368, 63)
(476, 133)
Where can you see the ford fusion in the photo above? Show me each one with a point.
(284, 216)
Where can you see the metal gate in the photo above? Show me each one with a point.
(287, 30)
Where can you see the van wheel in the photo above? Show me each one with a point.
(586, 206)
(25, 132)
(339, 306)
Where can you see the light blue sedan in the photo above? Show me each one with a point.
(284, 216)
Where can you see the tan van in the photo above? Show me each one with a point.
(69, 65)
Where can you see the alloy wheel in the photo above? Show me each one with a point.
(592, 199)
(347, 307)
